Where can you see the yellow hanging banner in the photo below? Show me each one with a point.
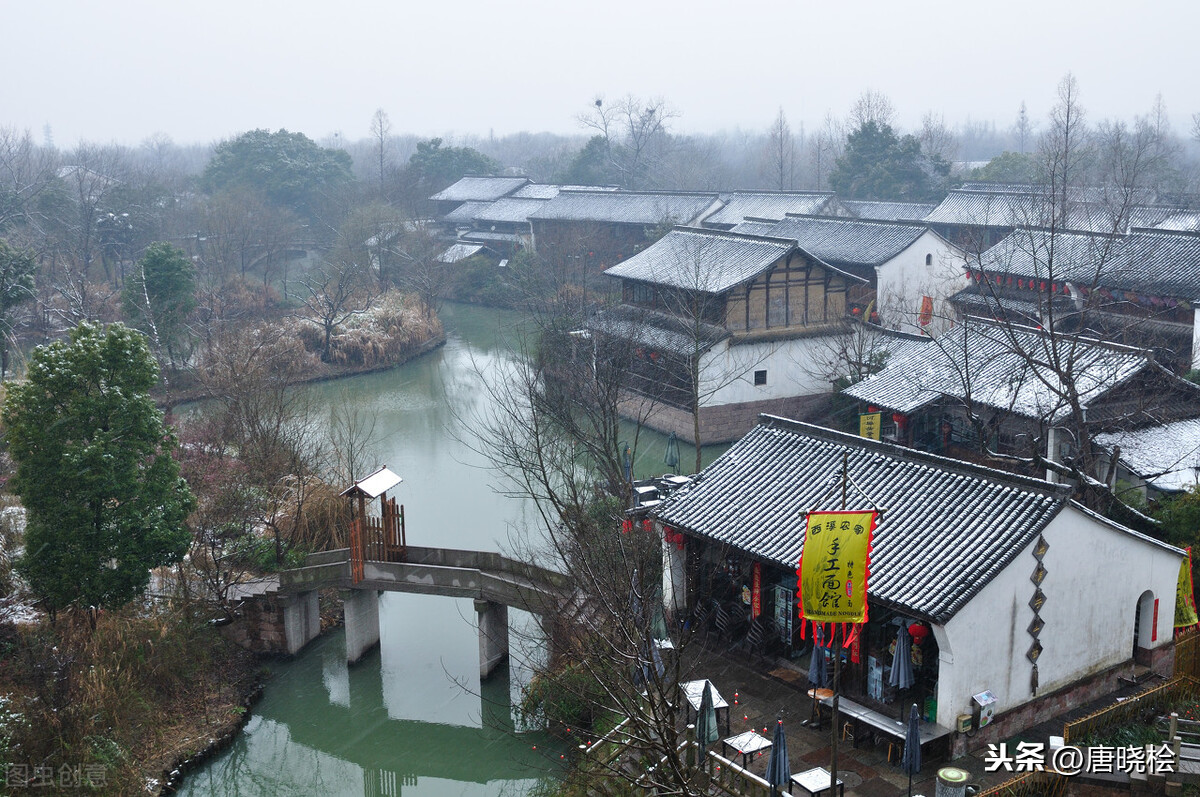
(1185, 601)
(834, 566)
(869, 424)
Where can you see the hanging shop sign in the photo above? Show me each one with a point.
(835, 565)
(869, 424)
(756, 590)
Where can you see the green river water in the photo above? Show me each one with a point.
(412, 717)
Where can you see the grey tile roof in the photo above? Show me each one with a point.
(626, 207)
(703, 260)
(1168, 456)
(947, 528)
(509, 210)
(1005, 367)
(466, 212)
(1036, 209)
(536, 191)
(888, 211)
(1157, 262)
(753, 227)
(656, 330)
(849, 242)
(458, 252)
(1182, 221)
(740, 206)
(479, 189)
(1164, 263)
(486, 236)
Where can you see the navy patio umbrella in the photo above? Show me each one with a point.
(818, 677)
(779, 773)
(706, 720)
(911, 761)
(902, 673)
(672, 456)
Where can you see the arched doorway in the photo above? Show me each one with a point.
(1145, 621)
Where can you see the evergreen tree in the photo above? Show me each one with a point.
(105, 503)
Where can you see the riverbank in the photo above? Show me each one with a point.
(398, 328)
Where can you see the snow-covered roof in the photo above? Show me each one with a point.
(1010, 208)
(458, 252)
(374, 485)
(848, 242)
(702, 260)
(625, 207)
(888, 211)
(948, 529)
(655, 330)
(1004, 367)
(1166, 456)
(771, 205)
(479, 189)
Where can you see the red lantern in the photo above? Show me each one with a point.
(647, 525)
(1021, 283)
(856, 311)
(897, 418)
(1042, 285)
(626, 525)
(918, 632)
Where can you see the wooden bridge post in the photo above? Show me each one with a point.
(493, 636)
(361, 609)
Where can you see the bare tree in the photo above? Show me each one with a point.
(26, 173)
(333, 293)
(830, 143)
(937, 140)
(871, 106)
(781, 153)
(1023, 128)
(635, 133)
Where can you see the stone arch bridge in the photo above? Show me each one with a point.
(280, 612)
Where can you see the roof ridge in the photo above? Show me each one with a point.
(846, 220)
(1060, 491)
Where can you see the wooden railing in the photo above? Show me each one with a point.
(1149, 702)
(1041, 783)
(377, 539)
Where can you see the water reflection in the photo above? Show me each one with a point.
(412, 717)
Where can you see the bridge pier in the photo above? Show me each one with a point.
(493, 635)
(301, 620)
(361, 611)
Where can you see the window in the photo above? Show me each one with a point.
(929, 260)
(760, 377)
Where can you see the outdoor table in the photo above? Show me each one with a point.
(694, 692)
(817, 696)
(814, 781)
(748, 743)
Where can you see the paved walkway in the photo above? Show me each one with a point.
(760, 698)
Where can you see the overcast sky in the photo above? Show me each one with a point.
(197, 71)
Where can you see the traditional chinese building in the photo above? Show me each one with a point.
(1009, 585)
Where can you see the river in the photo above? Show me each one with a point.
(412, 716)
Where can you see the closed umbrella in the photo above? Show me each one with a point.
(672, 456)
(779, 773)
(818, 677)
(706, 720)
(911, 761)
(902, 674)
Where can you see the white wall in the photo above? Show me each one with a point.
(1196, 341)
(904, 279)
(794, 368)
(1095, 576)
